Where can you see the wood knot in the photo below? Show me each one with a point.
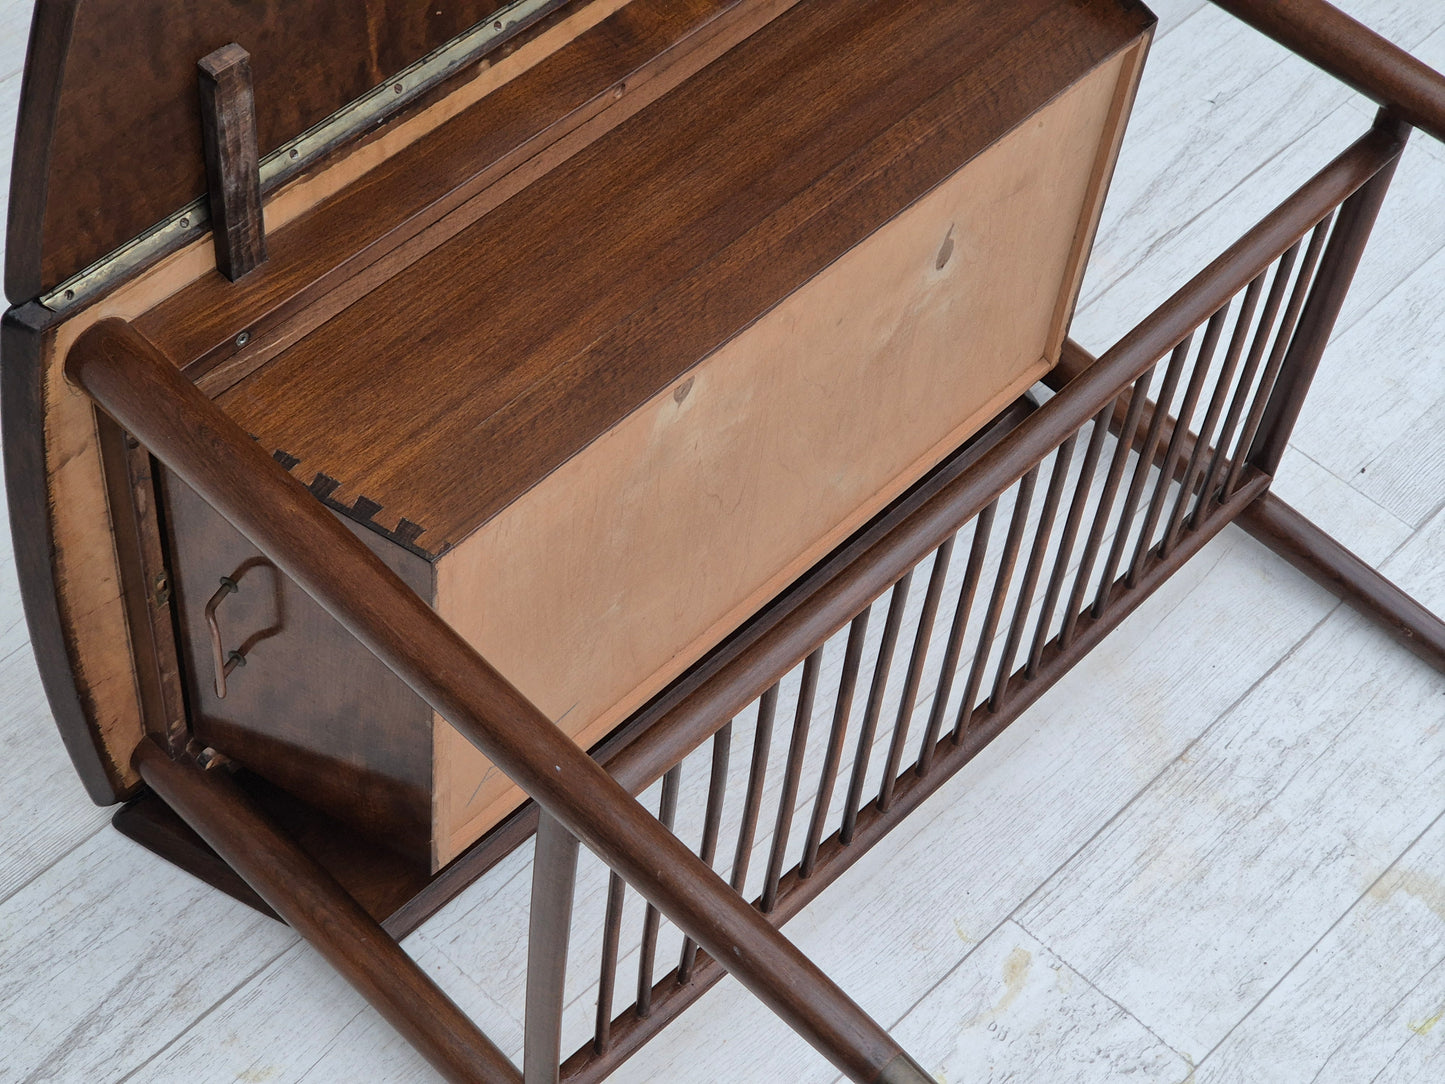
(946, 252)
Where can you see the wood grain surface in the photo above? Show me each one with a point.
(747, 184)
(117, 83)
(593, 590)
(103, 979)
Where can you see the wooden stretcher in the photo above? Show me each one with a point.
(426, 429)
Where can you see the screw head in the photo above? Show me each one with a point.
(208, 758)
(185, 222)
(243, 338)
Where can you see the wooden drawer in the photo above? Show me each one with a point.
(603, 424)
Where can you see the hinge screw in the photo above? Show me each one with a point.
(209, 758)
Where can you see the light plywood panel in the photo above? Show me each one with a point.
(600, 585)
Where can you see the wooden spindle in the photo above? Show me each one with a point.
(792, 777)
(757, 777)
(1013, 542)
(1100, 525)
(1350, 234)
(1070, 534)
(1187, 408)
(1277, 355)
(1241, 397)
(652, 919)
(869, 730)
(843, 707)
(973, 573)
(554, 881)
(1144, 465)
(1032, 570)
(717, 786)
(607, 981)
(1204, 438)
(924, 635)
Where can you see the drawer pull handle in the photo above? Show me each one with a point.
(224, 661)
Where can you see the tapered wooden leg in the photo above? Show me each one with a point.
(554, 882)
(1324, 560)
(904, 1070)
(321, 911)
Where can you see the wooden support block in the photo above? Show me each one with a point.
(233, 166)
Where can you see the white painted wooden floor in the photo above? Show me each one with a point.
(1226, 863)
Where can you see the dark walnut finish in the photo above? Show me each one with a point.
(233, 164)
(65, 214)
(310, 709)
(427, 189)
(309, 597)
(538, 328)
(748, 180)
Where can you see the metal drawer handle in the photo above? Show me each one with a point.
(224, 662)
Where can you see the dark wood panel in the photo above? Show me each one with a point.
(609, 71)
(311, 710)
(109, 126)
(542, 325)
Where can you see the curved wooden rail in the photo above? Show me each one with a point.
(1353, 53)
(137, 385)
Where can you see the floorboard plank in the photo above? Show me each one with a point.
(1374, 411)
(1223, 874)
(1012, 1011)
(1366, 1002)
(110, 953)
(47, 812)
